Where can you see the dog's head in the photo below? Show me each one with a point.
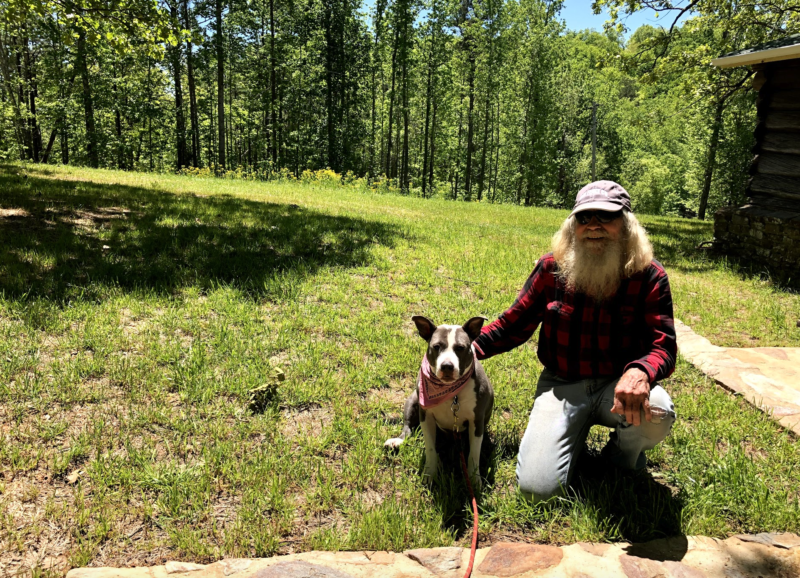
(449, 352)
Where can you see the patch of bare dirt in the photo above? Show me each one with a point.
(131, 325)
(28, 538)
(394, 395)
(11, 213)
(306, 422)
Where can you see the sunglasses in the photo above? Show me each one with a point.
(585, 217)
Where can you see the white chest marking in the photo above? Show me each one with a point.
(443, 413)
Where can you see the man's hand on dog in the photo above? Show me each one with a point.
(632, 395)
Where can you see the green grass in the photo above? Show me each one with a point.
(138, 311)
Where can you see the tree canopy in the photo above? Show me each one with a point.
(490, 100)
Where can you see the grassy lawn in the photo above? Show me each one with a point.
(137, 312)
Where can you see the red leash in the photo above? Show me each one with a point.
(468, 573)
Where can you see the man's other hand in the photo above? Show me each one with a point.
(632, 395)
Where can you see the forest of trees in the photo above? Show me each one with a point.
(488, 100)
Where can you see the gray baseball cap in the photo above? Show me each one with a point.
(602, 196)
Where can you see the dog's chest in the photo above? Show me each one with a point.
(443, 413)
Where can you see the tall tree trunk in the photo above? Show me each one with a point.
(118, 128)
(329, 104)
(431, 182)
(343, 110)
(280, 121)
(220, 84)
(375, 64)
(523, 155)
(231, 89)
(50, 142)
(561, 191)
(487, 106)
(194, 119)
(149, 116)
(212, 151)
(273, 86)
(711, 159)
(5, 67)
(88, 106)
(404, 162)
(371, 168)
(458, 147)
(180, 122)
(22, 97)
(497, 152)
(491, 148)
(33, 121)
(427, 123)
(64, 142)
(391, 107)
(470, 127)
(396, 159)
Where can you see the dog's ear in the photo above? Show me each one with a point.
(425, 326)
(473, 327)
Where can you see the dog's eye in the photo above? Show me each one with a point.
(459, 348)
(436, 347)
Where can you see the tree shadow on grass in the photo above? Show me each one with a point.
(77, 239)
(675, 244)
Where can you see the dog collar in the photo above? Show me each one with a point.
(433, 391)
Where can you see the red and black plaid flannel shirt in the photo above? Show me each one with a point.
(581, 338)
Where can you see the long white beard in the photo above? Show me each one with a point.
(596, 274)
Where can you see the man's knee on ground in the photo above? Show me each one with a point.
(659, 398)
(661, 402)
(538, 489)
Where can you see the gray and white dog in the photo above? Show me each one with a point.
(450, 372)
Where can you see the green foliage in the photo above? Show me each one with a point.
(487, 100)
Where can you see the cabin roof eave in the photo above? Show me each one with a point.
(785, 49)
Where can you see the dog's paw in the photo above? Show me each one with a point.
(477, 482)
(431, 471)
(393, 443)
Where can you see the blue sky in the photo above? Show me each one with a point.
(578, 16)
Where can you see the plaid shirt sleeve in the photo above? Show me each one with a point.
(517, 324)
(659, 362)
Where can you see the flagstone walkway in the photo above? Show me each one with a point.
(759, 556)
(768, 377)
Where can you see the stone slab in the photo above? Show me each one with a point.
(787, 541)
(300, 569)
(514, 559)
(182, 567)
(768, 555)
(232, 566)
(437, 560)
(767, 377)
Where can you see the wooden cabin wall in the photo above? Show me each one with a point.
(776, 166)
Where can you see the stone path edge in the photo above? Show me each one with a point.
(767, 377)
(745, 556)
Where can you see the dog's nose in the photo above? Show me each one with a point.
(448, 367)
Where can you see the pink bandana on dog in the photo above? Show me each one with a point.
(433, 391)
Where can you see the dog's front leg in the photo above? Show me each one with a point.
(428, 423)
(475, 442)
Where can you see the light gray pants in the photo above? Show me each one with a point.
(563, 412)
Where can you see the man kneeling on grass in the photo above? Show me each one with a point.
(607, 338)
